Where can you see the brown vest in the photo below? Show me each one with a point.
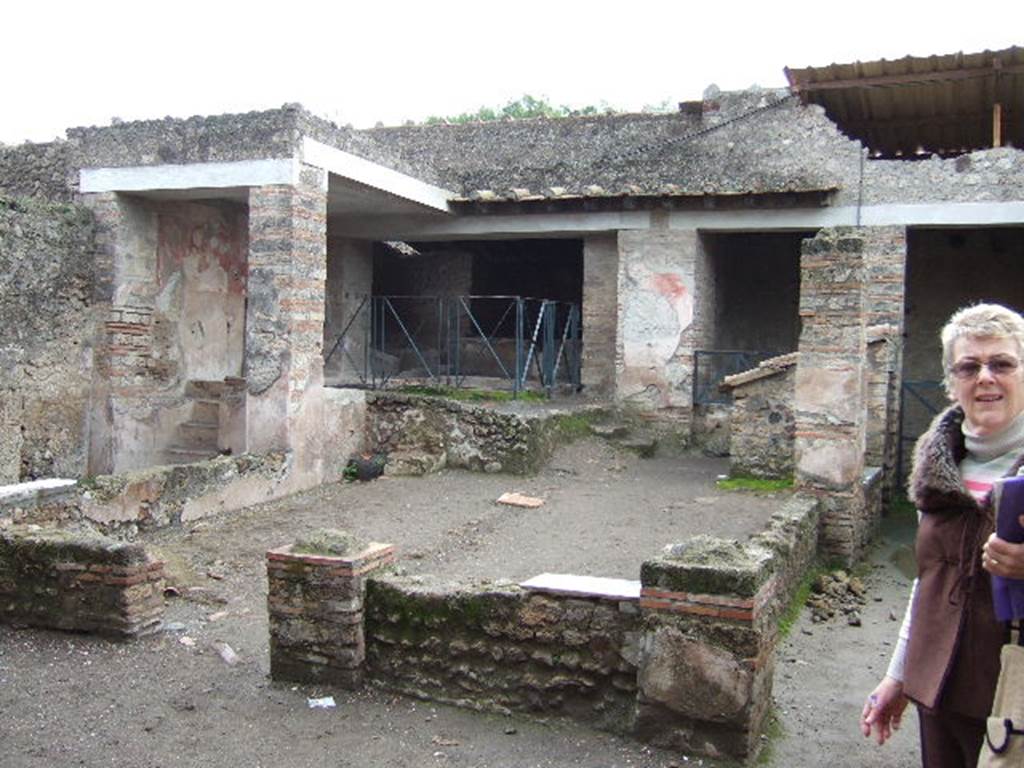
(952, 661)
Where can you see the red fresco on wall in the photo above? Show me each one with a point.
(204, 239)
(670, 285)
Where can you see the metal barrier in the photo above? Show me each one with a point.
(445, 339)
(711, 366)
(920, 400)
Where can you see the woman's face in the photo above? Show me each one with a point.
(988, 382)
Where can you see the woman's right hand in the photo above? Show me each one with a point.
(883, 711)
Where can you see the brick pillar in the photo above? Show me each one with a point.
(831, 383)
(285, 321)
(600, 313)
(315, 604)
(662, 308)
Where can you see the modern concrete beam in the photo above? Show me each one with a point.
(374, 175)
(153, 178)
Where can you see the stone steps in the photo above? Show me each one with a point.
(622, 435)
(196, 439)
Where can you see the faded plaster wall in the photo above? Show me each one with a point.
(173, 279)
(48, 317)
(663, 306)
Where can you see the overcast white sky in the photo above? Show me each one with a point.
(81, 63)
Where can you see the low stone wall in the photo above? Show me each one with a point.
(422, 434)
(684, 659)
(81, 582)
(763, 425)
(159, 496)
(506, 648)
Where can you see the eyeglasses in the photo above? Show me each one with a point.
(997, 366)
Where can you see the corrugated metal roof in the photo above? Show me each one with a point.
(943, 104)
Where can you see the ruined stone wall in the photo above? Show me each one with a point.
(80, 582)
(42, 171)
(990, 175)
(600, 315)
(157, 497)
(220, 138)
(421, 434)
(763, 425)
(47, 321)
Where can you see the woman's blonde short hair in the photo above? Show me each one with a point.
(980, 321)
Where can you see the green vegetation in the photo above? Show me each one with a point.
(772, 733)
(572, 426)
(327, 541)
(526, 106)
(791, 612)
(474, 395)
(764, 485)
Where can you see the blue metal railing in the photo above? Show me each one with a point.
(445, 339)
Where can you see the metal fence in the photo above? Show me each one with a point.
(522, 342)
(919, 402)
(711, 366)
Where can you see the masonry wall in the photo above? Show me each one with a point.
(502, 649)
(41, 171)
(763, 426)
(48, 317)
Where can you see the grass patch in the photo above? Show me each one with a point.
(573, 426)
(474, 395)
(763, 484)
(792, 611)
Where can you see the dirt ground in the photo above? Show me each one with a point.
(171, 699)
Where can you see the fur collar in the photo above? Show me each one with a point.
(935, 480)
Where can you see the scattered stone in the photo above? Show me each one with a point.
(443, 742)
(834, 594)
(172, 592)
(174, 626)
(510, 730)
(325, 702)
(187, 641)
(516, 499)
(853, 619)
(227, 653)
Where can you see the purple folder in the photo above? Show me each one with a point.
(1008, 497)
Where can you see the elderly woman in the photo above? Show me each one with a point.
(947, 656)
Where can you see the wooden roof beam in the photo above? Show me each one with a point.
(906, 78)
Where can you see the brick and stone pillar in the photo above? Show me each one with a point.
(707, 656)
(831, 388)
(600, 315)
(285, 321)
(663, 302)
(315, 601)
